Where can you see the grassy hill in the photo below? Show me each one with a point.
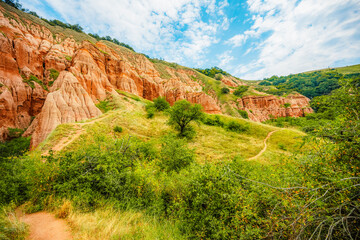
(311, 84)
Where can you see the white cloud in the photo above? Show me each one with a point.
(174, 30)
(307, 35)
(237, 40)
(225, 58)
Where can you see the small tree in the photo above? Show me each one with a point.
(181, 115)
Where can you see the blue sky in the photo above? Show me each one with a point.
(250, 39)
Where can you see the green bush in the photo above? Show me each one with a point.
(218, 76)
(118, 129)
(150, 110)
(225, 90)
(243, 113)
(13, 184)
(234, 126)
(175, 155)
(105, 106)
(240, 91)
(54, 74)
(213, 120)
(160, 104)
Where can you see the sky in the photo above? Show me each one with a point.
(252, 39)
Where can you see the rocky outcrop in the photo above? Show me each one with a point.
(68, 102)
(262, 108)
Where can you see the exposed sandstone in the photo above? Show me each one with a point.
(68, 102)
(262, 108)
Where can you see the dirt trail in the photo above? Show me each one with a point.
(69, 139)
(265, 146)
(44, 226)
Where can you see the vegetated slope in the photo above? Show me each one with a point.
(211, 144)
(311, 84)
(45, 70)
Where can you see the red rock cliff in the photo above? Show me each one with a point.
(262, 108)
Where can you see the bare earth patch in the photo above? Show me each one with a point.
(44, 226)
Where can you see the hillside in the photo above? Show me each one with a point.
(311, 84)
(53, 75)
(98, 141)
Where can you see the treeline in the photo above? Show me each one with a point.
(309, 84)
(75, 27)
(212, 72)
(113, 40)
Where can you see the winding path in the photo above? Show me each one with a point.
(44, 226)
(265, 146)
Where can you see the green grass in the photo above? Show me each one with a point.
(211, 143)
(109, 223)
(10, 226)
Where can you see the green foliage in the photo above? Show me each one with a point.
(105, 105)
(234, 126)
(175, 155)
(311, 84)
(118, 129)
(225, 90)
(240, 91)
(212, 72)
(182, 114)
(55, 22)
(13, 185)
(13, 3)
(218, 76)
(160, 104)
(244, 114)
(10, 227)
(33, 79)
(54, 74)
(113, 40)
(213, 120)
(150, 110)
(68, 58)
(287, 105)
(15, 132)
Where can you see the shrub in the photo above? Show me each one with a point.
(213, 120)
(287, 105)
(150, 110)
(118, 129)
(54, 74)
(105, 106)
(243, 113)
(175, 155)
(234, 126)
(240, 91)
(218, 76)
(161, 104)
(225, 90)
